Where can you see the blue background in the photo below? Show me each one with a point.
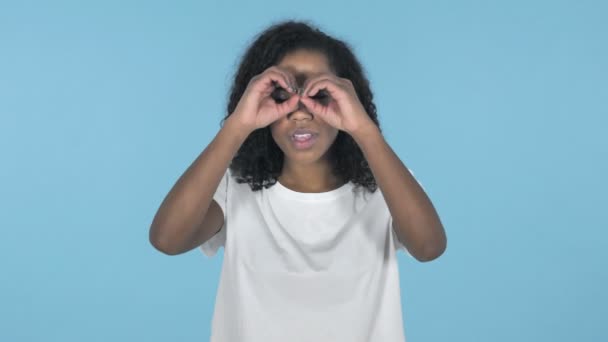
(499, 108)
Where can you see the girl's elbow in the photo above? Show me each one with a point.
(433, 251)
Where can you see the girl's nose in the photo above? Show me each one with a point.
(301, 113)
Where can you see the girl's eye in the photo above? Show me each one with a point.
(322, 96)
(280, 95)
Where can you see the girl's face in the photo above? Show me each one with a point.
(304, 64)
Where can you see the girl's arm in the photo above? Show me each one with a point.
(181, 222)
(415, 220)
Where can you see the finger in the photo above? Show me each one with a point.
(319, 111)
(289, 106)
(292, 81)
(289, 77)
(268, 81)
(282, 79)
(334, 90)
(312, 105)
(308, 83)
(311, 81)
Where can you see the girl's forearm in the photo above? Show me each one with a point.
(415, 220)
(181, 212)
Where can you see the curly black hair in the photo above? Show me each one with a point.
(259, 160)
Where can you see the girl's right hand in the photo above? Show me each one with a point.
(258, 108)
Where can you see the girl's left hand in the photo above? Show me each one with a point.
(339, 106)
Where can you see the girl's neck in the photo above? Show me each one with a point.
(309, 178)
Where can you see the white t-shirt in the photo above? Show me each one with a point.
(304, 267)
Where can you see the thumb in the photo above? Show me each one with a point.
(278, 111)
(311, 104)
(290, 105)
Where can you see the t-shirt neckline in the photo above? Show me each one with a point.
(283, 191)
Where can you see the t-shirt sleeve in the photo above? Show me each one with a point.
(211, 246)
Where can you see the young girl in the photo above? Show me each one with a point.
(307, 198)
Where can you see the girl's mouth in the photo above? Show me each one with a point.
(303, 141)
